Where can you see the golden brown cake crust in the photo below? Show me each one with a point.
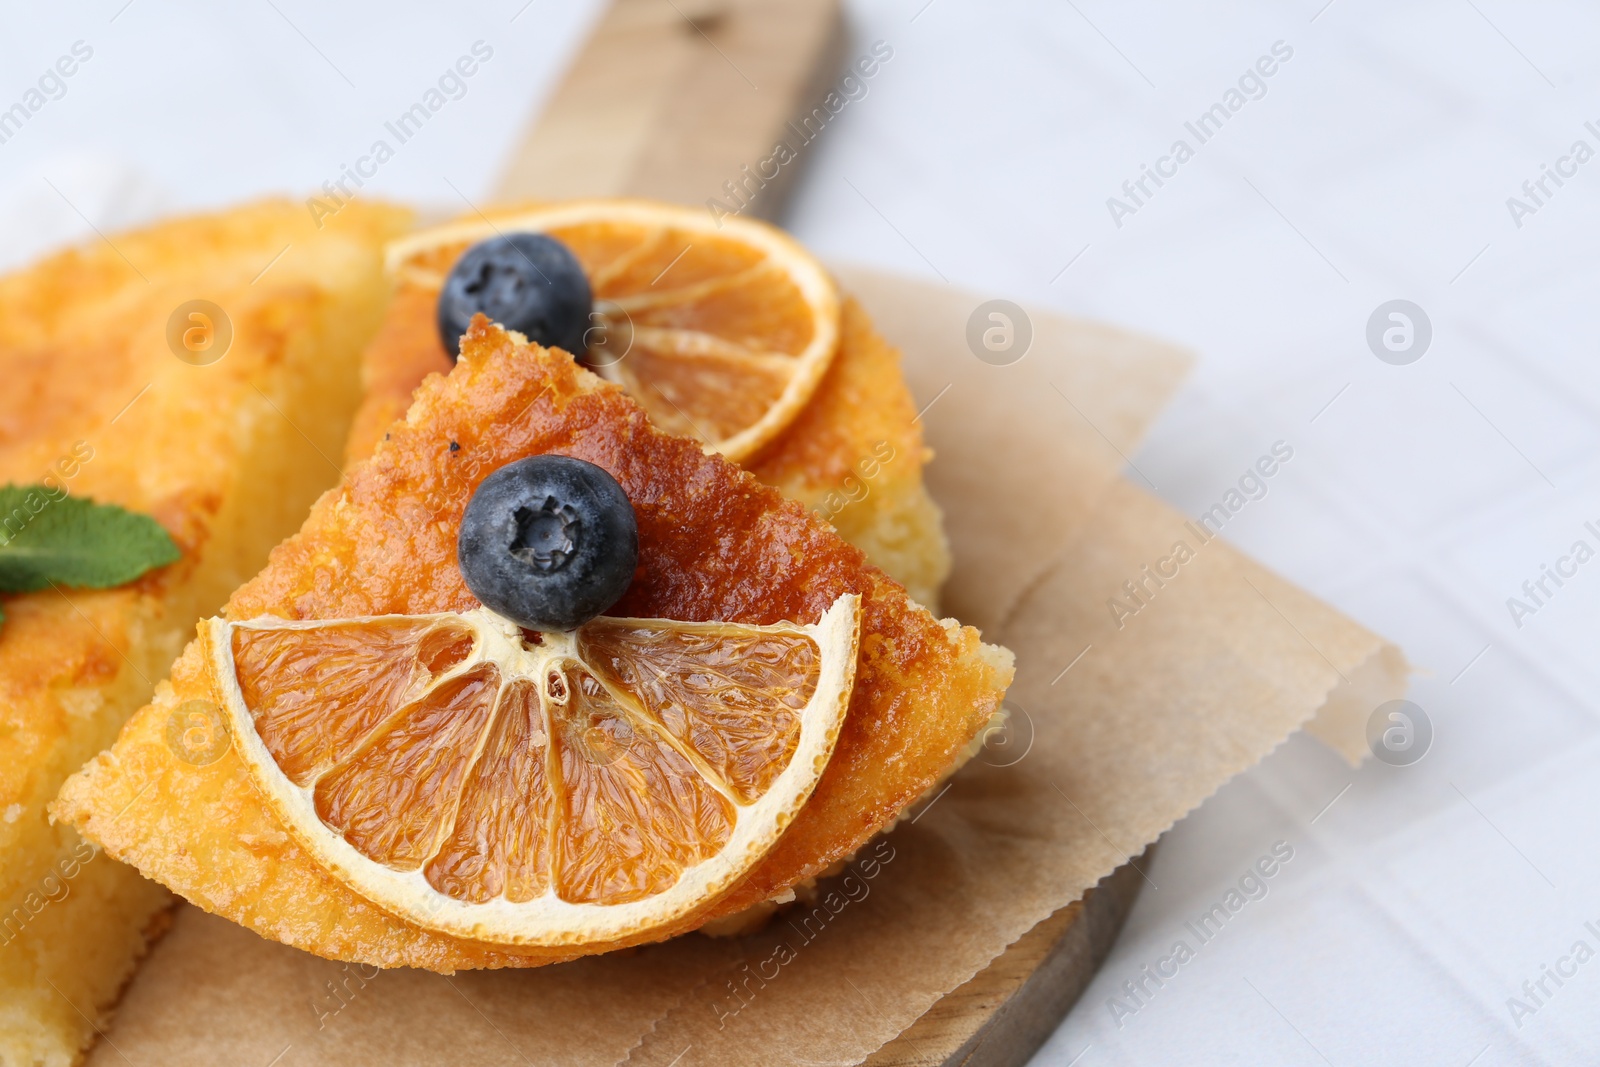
(854, 454)
(714, 544)
(96, 404)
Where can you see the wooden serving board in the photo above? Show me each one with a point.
(670, 100)
(1008, 1009)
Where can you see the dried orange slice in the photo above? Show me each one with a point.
(720, 331)
(557, 789)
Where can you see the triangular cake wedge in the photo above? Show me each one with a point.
(715, 544)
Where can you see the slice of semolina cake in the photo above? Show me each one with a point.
(227, 453)
(714, 544)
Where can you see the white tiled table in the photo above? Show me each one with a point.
(1377, 165)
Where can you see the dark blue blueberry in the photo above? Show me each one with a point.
(527, 282)
(549, 542)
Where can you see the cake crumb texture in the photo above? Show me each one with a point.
(227, 456)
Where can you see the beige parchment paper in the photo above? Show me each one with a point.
(1118, 729)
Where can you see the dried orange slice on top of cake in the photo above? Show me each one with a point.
(362, 636)
(721, 331)
(578, 787)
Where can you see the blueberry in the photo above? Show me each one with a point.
(549, 542)
(527, 282)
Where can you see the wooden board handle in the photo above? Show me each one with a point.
(672, 98)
